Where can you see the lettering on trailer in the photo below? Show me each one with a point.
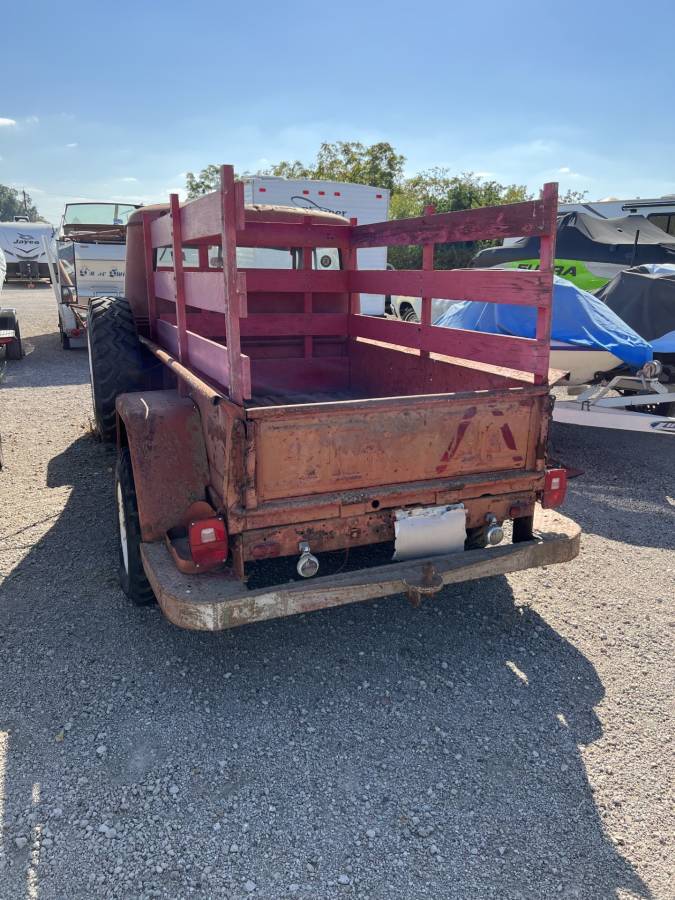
(26, 244)
(664, 426)
(562, 271)
(306, 203)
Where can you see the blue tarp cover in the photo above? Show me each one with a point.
(579, 318)
(665, 344)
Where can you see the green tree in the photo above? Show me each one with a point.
(12, 204)
(378, 165)
(206, 181)
(573, 197)
(446, 193)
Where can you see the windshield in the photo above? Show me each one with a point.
(97, 213)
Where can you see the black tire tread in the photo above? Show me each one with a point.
(14, 350)
(115, 356)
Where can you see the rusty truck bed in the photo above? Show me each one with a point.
(309, 427)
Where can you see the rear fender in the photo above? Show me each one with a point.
(164, 434)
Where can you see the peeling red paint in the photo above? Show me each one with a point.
(507, 434)
(453, 446)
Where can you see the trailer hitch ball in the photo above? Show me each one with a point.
(308, 564)
(495, 532)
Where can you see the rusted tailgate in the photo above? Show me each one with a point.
(319, 448)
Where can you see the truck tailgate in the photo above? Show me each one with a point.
(326, 447)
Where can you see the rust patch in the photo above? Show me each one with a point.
(497, 412)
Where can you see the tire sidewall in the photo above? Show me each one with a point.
(132, 576)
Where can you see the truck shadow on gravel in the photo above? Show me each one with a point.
(47, 364)
(417, 753)
(627, 491)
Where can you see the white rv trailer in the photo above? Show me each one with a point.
(353, 201)
(22, 245)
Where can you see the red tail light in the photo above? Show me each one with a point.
(208, 542)
(555, 488)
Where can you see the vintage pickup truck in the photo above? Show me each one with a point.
(262, 421)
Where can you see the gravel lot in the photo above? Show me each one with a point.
(510, 739)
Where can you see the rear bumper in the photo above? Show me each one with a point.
(214, 602)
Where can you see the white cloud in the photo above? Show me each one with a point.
(7, 123)
(70, 146)
(129, 178)
(31, 120)
(565, 170)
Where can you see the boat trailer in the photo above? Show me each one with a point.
(636, 408)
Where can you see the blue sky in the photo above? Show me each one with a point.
(117, 100)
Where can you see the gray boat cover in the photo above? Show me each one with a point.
(644, 297)
(591, 239)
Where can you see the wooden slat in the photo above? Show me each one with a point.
(149, 276)
(233, 310)
(546, 258)
(296, 281)
(160, 229)
(278, 234)
(501, 350)
(486, 223)
(492, 285)
(427, 265)
(318, 374)
(209, 357)
(212, 324)
(177, 245)
(201, 219)
(295, 324)
(204, 289)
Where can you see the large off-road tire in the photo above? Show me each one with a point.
(14, 349)
(115, 359)
(131, 574)
(408, 314)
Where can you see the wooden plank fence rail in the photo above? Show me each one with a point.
(209, 303)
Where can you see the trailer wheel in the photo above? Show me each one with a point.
(14, 349)
(131, 574)
(65, 341)
(115, 359)
(408, 314)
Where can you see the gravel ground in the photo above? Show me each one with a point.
(510, 739)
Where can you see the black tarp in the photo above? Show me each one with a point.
(644, 300)
(591, 239)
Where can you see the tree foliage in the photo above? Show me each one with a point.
(206, 181)
(12, 204)
(381, 166)
(445, 192)
(378, 165)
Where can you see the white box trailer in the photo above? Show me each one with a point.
(354, 201)
(23, 248)
(88, 260)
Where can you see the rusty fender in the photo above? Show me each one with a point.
(215, 602)
(164, 434)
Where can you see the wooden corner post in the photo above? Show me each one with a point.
(232, 214)
(549, 197)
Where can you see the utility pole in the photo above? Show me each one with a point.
(25, 202)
